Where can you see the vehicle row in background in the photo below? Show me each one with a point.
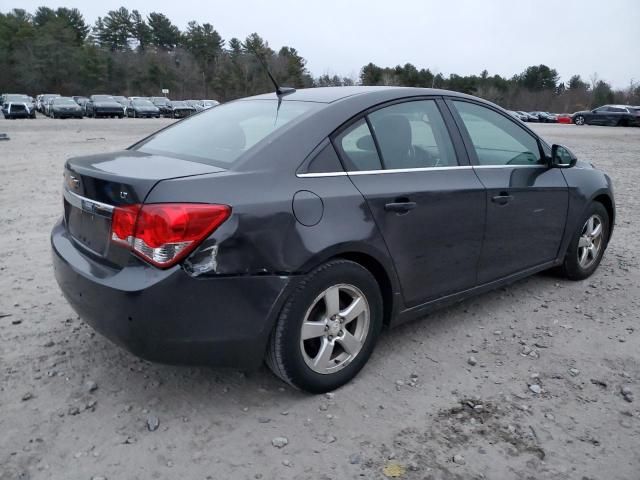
(55, 106)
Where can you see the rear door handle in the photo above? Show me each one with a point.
(400, 207)
(502, 199)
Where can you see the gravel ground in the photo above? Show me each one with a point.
(523, 382)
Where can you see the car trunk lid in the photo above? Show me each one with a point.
(95, 185)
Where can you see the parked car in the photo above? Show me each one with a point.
(19, 99)
(12, 110)
(196, 104)
(382, 205)
(44, 100)
(545, 117)
(124, 101)
(103, 106)
(142, 108)
(210, 103)
(64, 107)
(564, 118)
(164, 104)
(530, 117)
(180, 109)
(82, 102)
(519, 115)
(612, 115)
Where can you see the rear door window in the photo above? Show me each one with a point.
(358, 148)
(412, 135)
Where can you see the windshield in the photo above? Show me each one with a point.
(143, 103)
(221, 135)
(210, 103)
(64, 101)
(103, 98)
(179, 104)
(160, 100)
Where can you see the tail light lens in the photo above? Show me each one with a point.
(165, 233)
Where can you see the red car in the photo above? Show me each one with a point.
(564, 118)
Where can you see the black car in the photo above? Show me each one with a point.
(103, 106)
(611, 115)
(19, 99)
(142, 108)
(164, 104)
(544, 117)
(82, 101)
(64, 107)
(292, 229)
(180, 109)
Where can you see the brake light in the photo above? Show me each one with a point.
(165, 233)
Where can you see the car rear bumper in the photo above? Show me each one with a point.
(167, 315)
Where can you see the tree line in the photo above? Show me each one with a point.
(126, 53)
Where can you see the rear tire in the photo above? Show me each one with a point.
(587, 245)
(340, 306)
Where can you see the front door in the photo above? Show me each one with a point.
(428, 204)
(526, 200)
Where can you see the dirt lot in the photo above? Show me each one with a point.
(74, 406)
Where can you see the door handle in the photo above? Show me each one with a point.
(502, 199)
(400, 207)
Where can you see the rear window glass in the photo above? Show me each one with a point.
(219, 136)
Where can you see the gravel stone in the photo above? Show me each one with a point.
(279, 442)
(153, 423)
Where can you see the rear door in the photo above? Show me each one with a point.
(526, 200)
(424, 196)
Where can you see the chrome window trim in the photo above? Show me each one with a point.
(88, 205)
(409, 170)
(510, 166)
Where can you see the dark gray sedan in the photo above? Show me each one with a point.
(293, 228)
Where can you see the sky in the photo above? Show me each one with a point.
(447, 36)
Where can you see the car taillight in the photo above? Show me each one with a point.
(165, 233)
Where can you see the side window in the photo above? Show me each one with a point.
(358, 148)
(497, 140)
(412, 135)
(326, 161)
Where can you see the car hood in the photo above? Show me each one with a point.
(65, 107)
(145, 109)
(582, 112)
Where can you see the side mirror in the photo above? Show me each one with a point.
(562, 157)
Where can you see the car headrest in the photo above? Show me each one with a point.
(394, 134)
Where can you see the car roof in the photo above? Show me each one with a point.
(333, 94)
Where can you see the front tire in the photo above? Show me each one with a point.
(579, 120)
(327, 328)
(588, 244)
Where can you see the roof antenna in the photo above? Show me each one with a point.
(280, 91)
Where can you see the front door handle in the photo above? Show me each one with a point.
(502, 199)
(400, 207)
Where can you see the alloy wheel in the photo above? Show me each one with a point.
(590, 242)
(335, 328)
(579, 120)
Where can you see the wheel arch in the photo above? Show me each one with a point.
(380, 268)
(607, 202)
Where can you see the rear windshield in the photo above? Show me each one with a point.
(219, 136)
(64, 101)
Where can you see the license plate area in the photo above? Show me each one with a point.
(88, 222)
